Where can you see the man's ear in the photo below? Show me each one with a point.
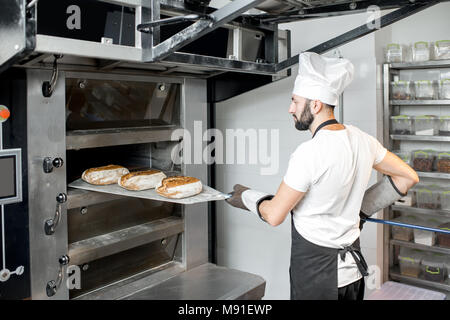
(316, 106)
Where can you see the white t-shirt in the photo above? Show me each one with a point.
(333, 169)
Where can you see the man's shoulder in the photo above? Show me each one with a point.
(355, 130)
(302, 148)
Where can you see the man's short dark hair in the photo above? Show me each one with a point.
(308, 102)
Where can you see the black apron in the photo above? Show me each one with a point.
(313, 270)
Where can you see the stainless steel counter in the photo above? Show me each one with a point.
(206, 282)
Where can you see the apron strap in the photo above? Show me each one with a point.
(359, 259)
(323, 124)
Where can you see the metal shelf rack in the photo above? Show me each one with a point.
(442, 287)
(394, 141)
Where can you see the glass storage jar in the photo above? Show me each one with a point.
(444, 198)
(420, 51)
(427, 238)
(425, 90)
(443, 239)
(402, 90)
(427, 197)
(442, 50)
(444, 89)
(395, 52)
(433, 267)
(425, 125)
(409, 261)
(402, 124)
(443, 162)
(404, 155)
(423, 160)
(444, 125)
(403, 233)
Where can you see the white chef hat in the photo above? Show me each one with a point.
(321, 78)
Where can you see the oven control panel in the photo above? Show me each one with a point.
(11, 176)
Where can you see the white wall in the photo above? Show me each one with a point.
(244, 242)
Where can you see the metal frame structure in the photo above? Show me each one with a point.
(148, 49)
(392, 141)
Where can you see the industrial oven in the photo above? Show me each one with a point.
(88, 83)
(85, 99)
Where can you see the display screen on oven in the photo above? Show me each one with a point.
(8, 177)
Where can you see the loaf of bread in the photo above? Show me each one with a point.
(141, 180)
(104, 175)
(178, 187)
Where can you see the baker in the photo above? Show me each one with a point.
(324, 187)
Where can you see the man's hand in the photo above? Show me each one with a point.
(362, 219)
(236, 197)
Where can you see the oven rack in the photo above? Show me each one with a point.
(118, 241)
(83, 139)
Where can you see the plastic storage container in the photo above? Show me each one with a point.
(433, 267)
(444, 198)
(425, 90)
(442, 50)
(426, 125)
(395, 52)
(409, 261)
(427, 197)
(447, 267)
(404, 155)
(402, 124)
(443, 162)
(443, 239)
(402, 233)
(421, 51)
(402, 90)
(444, 89)
(444, 125)
(423, 160)
(427, 238)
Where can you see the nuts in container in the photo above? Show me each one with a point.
(426, 125)
(402, 233)
(443, 238)
(402, 124)
(423, 160)
(425, 90)
(443, 162)
(409, 261)
(442, 50)
(402, 90)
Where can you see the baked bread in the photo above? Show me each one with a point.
(141, 180)
(178, 187)
(104, 175)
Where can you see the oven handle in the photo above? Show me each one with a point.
(51, 224)
(54, 285)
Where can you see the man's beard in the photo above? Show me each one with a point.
(306, 118)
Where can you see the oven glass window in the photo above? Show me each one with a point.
(7, 177)
(105, 104)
